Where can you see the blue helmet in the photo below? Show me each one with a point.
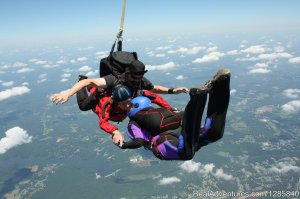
(139, 103)
(121, 93)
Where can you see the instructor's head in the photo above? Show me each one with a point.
(135, 73)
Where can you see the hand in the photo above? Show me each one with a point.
(180, 90)
(118, 138)
(60, 98)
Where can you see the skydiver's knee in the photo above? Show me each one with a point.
(83, 107)
(214, 135)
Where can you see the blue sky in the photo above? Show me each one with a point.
(34, 21)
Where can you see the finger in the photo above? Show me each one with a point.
(57, 100)
(121, 143)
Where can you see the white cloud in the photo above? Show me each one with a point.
(41, 76)
(284, 167)
(220, 174)
(259, 70)
(25, 84)
(166, 66)
(180, 77)
(160, 55)
(291, 107)
(19, 64)
(33, 60)
(24, 70)
(275, 55)
(261, 65)
(61, 62)
(168, 180)
(40, 62)
(243, 102)
(207, 168)
(163, 48)
(13, 92)
(233, 52)
(255, 49)
(66, 75)
(169, 52)
(191, 166)
(82, 59)
(100, 53)
(244, 42)
(85, 68)
(291, 93)
(150, 53)
(212, 49)
(232, 91)
(64, 80)
(279, 49)
(41, 80)
(191, 51)
(5, 66)
(10, 83)
(14, 137)
(213, 56)
(67, 70)
(50, 65)
(295, 60)
(247, 59)
(92, 73)
(86, 48)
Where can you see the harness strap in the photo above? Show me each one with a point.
(119, 35)
(103, 109)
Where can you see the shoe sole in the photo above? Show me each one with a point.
(224, 72)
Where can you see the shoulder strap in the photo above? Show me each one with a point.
(104, 108)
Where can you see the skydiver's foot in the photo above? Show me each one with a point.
(81, 77)
(222, 74)
(208, 85)
(202, 89)
(197, 91)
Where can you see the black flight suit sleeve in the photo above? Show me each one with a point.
(86, 102)
(133, 144)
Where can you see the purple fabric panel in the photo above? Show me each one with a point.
(167, 152)
(140, 133)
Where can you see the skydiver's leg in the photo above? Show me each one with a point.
(82, 96)
(217, 108)
(191, 121)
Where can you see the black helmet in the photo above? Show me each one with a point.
(121, 93)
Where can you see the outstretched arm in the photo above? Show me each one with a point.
(64, 97)
(157, 99)
(164, 90)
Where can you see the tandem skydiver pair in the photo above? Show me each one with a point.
(178, 135)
